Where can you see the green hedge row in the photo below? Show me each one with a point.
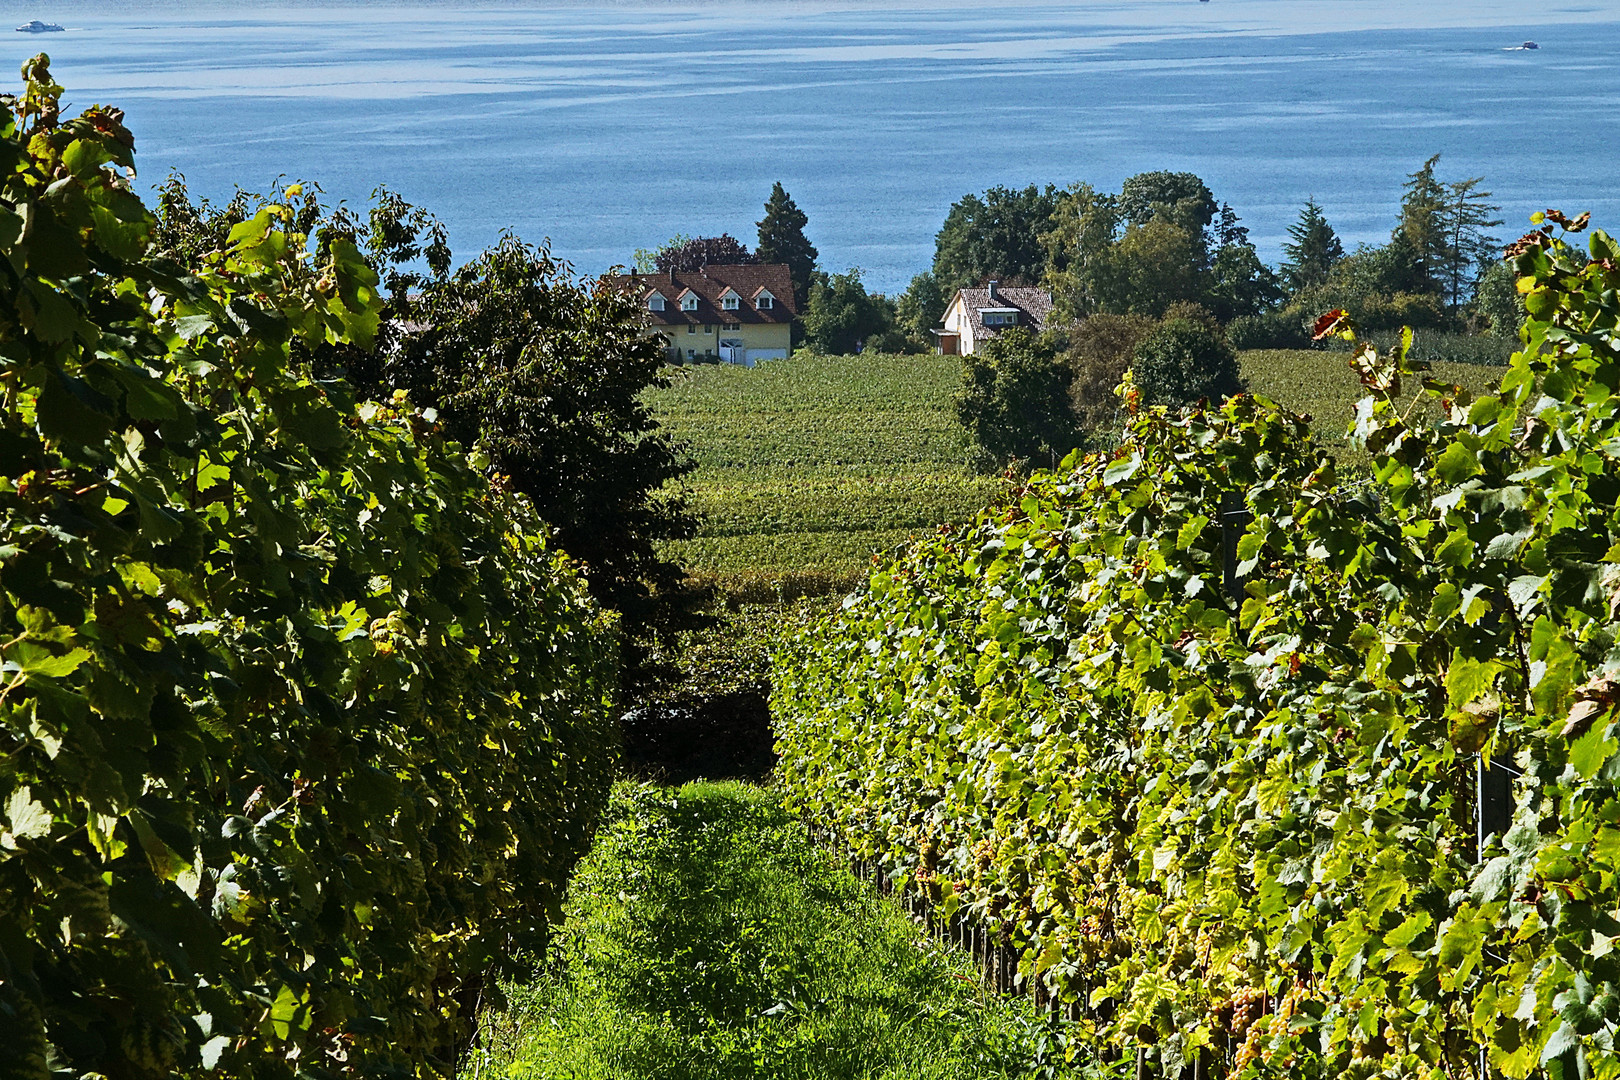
(1236, 824)
(302, 725)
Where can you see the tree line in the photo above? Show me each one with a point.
(1162, 240)
(1160, 278)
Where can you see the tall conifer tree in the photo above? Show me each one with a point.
(1315, 250)
(1468, 249)
(1422, 224)
(782, 240)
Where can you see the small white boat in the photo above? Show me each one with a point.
(1526, 47)
(1529, 45)
(37, 27)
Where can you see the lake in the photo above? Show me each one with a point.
(609, 127)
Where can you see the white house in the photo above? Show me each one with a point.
(975, 315)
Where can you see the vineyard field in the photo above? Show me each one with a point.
(1204, 732)
(807, 466)
(1321, 385)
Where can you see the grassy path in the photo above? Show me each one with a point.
(705, 938)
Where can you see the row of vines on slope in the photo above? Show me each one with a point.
(302, 723)
(1236, 823)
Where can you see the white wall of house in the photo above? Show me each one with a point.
(957, 321)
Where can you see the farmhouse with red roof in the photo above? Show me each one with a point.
(740, 314)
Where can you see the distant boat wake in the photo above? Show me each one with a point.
(1526, 47)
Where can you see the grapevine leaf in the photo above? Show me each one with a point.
(26, 817)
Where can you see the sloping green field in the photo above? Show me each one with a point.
(808, 465)
(1322, 385)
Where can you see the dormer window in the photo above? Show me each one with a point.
(764, 301)
(655, 302)
(689, 302)
(999, 316)
(730, 300)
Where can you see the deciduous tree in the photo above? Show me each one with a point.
(1185, 358)
(1099, 353)
(546, 372)
(921, 307)
(842, 315)
(1179, 198)
(997, 235)
(1014, 400)
(1082, 266)
(700, 251)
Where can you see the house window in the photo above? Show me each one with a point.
(691, 354)
(731, 326)
(765, 303)
(655, 304)
(730, 303)
(999, 318)
(707, 329)
(689, 303)
(691, 328)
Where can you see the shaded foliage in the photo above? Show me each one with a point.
(547, 373)
(697, 252)
(920, 310)
(1099, 353)
(1184, 358)
(842, 317)
(1015, 401)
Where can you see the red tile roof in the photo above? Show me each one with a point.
(709, 283)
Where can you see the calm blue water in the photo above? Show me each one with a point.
(611, 127)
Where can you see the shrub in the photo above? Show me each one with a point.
(303, 724)
(1269, 330)
(1217, 780)
(1099, 352)
(1014, 399)
(1184, 359)
(1420, 311)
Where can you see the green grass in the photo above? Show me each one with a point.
(706, 938)
(806, 466)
